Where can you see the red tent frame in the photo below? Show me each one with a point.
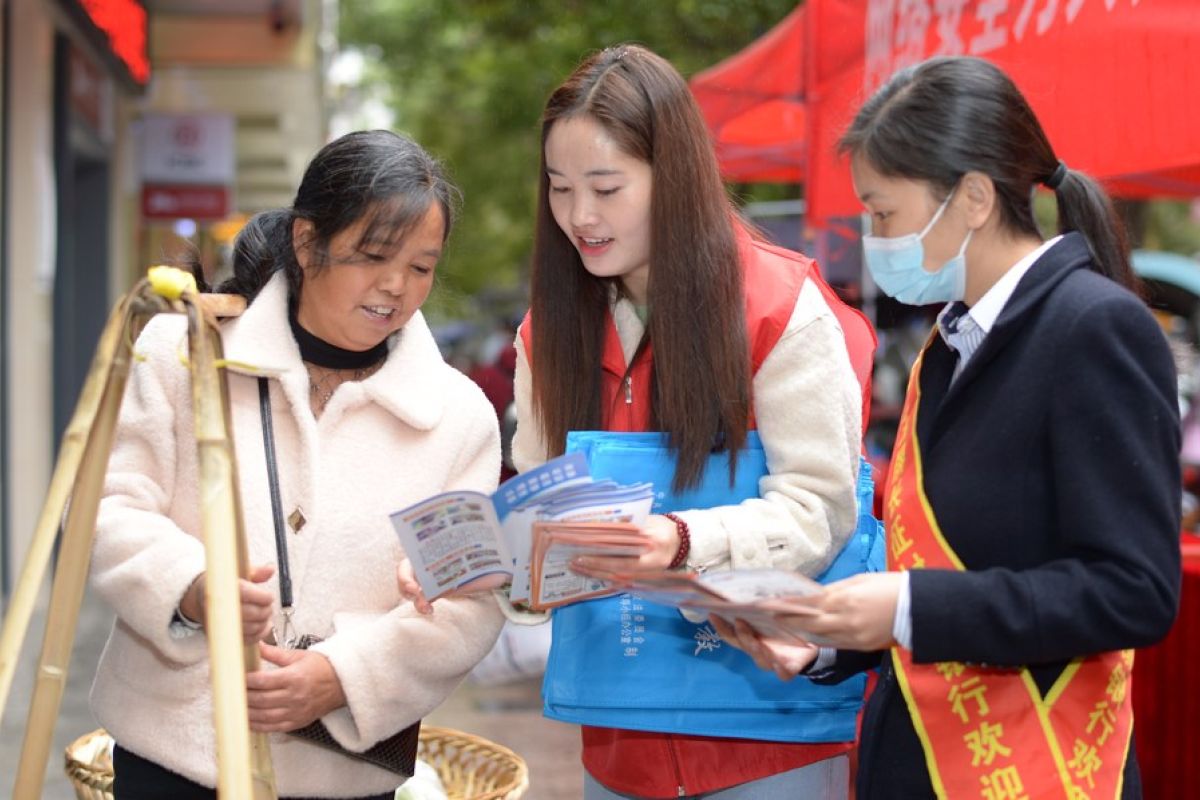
(753, 103)
(1114, 83)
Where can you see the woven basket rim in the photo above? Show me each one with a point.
(93, 775)
(438, 732)
(516, 784)
(89, 766)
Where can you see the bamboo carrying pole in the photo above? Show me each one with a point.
(243, 760)
(70, 577)
(24, 598)
(244, 764)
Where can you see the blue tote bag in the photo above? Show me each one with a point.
(623, 662)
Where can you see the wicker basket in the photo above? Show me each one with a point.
(89, 765)
(471, 767)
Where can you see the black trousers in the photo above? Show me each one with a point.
(137, 778)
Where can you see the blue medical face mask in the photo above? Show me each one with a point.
(897, 265)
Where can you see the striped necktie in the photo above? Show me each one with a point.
(960, 332)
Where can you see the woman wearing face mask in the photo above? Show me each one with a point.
(1033, 505)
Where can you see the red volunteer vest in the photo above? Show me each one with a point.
(988, 732)
(667, 765)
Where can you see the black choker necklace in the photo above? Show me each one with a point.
(317, 351)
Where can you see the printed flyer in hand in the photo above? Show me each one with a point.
(772, 601)
(526, 533)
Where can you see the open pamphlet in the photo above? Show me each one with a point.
(772, 601)
(526, 533)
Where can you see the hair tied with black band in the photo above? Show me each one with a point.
(1056, 178)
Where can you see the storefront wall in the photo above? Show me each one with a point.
(29, 262)
(67, 220)
(74, 189)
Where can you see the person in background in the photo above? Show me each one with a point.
(367, 419)
(495, 378)
(1033, 506)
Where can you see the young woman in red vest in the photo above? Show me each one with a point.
(655, 309)
(1033, 503)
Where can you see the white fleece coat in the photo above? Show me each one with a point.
(415, 428)
(808, 409)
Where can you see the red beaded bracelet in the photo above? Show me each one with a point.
(685, 542)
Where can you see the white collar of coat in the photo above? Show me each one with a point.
(629, 326)
(411, 384)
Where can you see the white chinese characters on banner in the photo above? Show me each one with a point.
(1045, 17)
(949, 20)
(897, 30)
(994, 35)
(912, 26)
(880, 16)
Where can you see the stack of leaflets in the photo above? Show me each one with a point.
(552, 580)
(527, 532)
(772, 601)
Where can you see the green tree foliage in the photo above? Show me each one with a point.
(1172, 225)
(468, 79)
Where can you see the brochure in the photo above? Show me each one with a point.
(457, 538)
(556, 544)
(770, 600)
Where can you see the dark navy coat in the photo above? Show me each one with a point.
(1052, 466)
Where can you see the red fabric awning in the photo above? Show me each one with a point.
(1112, 81)
(754, 105)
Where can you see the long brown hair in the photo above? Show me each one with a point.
(701, 391)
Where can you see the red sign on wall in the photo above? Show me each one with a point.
(124, 23)
(185, 202)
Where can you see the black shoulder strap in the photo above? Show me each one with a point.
(285, 576)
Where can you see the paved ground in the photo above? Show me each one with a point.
(74, 719)
(510, 715)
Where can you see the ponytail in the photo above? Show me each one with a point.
(1085, 207)
(951, 115)
(262, 248)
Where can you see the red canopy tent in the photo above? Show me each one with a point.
(754, 105)
(1114, 82)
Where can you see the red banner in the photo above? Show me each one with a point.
(1114, 82)
(124, 24)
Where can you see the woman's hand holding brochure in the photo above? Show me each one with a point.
(662, 541)
(410, 589)
(855, 613)
(775, 603)
(785, 658)
(558, 547)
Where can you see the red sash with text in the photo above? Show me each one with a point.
(987, 732)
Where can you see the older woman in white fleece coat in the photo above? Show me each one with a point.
(353, 444)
